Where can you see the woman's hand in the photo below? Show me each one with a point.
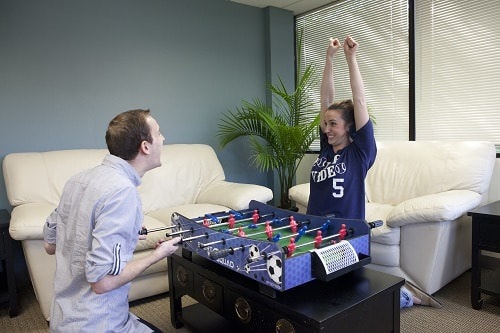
(333, 47)
(350, 46)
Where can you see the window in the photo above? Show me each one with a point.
(381, 28)
(457, 64)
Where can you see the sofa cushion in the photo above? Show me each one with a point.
(383, 234)
(26, 221)
(234, 195)
(445, 206)
(300, 193)
(40, 177)
(405, 170)
(186, 171)
(385, 255)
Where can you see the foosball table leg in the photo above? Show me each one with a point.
(176, 312)
(175, 300)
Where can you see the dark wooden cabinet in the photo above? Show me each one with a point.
(363, 300)
(8, 292)
(485, 272)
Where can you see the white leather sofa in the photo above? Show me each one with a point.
(422, 191)
(191, 181)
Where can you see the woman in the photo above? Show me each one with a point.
(348, 146)
(347, 151)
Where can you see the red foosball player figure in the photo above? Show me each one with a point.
(293, 224)
(290, 247)
(342, 231)
(231, 221)
(255, 216)
(318, 239)
(205, 222)
(269, 230)
(241, 233)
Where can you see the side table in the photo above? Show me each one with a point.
(8, 292)
(485, 272)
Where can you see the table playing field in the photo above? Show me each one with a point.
(280, 231)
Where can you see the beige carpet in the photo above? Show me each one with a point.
(455, 316)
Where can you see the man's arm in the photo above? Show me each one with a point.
(134, 268)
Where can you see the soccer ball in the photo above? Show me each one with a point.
(254, 252)
(275, 269)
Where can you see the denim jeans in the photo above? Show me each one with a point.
(405, 298)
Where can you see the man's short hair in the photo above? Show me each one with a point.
(126, 132)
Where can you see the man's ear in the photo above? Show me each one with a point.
(144, 147)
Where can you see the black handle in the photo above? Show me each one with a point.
(376, 224)
(217, 254)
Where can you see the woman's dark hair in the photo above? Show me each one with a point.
(126, 132)
(346, 109)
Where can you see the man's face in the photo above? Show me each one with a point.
(156, 145)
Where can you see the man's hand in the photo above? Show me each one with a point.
(143, 233)
(50, 248)
(164, 248)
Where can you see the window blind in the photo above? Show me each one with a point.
(381, 29)
(457, 70)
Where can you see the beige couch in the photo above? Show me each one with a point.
(190, 181)
(422, 191)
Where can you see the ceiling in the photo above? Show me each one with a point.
(296, 6)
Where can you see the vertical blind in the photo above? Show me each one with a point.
(381, 29)
(457, 64)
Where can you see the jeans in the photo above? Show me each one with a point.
(405, 298)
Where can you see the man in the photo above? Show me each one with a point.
(94, 230)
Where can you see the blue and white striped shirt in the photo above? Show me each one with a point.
(95, 229)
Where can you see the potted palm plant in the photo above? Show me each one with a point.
(279, 134)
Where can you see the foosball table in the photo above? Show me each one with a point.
(278, 248)
(264, 251)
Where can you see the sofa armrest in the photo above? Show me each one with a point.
(236, 196)
(438, 207)
(27, 220)
(300, 194)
